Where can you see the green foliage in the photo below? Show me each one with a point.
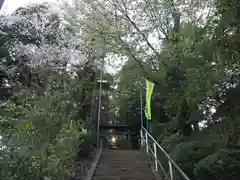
(45, 125)
(39, 141)
(44, 117)
(31, 153)
(221, 165)
(169, 143)
(87, 142)
(41, 133)
(187, 154)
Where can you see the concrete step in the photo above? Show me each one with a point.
(127, 173)
(123, 178)
(123, 165)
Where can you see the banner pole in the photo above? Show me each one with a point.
(147, 125)
(141, 107)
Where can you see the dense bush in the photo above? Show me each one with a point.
(222, 165)
(34, 161)
(87, 143)
(171, 142)
(39, 138)
(187, 154)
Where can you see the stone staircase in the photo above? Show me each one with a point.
(123, 165)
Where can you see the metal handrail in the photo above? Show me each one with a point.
(145, 136)
(158, 163)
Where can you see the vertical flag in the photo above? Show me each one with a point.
(149, 89)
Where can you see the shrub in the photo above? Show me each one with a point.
(41, 143)
(187, 154)
(171, 142)
(87, 143)
(222, 165)
(25, 161)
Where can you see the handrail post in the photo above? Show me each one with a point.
(171, 163)
(141, 137)
(155, 156)
(146, 141)
(170, 170)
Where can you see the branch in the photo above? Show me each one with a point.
(145, 38)
(156, 17)
(142, 34)
(124, 12)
